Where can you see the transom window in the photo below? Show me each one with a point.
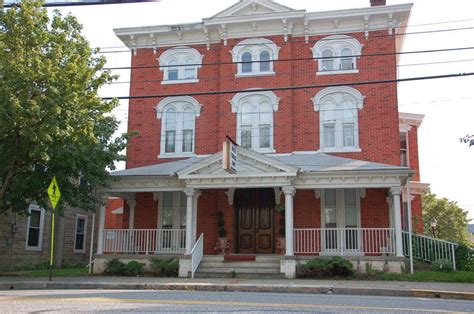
(34, 233)
(178, 116)
(255, 119)
(338, 116)
(180, 65)
(337, 54)
(255, 57)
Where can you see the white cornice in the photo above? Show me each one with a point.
(410, 119)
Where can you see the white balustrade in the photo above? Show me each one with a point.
(345, 241)
(144, 241)
(197, 253)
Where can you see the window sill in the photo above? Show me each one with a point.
(177, 155)
(337, 72)
(340, 150)
(34, 249)
(255, 74)
(264, 150)
(180, 81)
(79, 251)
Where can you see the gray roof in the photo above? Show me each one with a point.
(313, 162)
(305, 162)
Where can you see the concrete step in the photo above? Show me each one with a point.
(239, 264)
(243, 270)
(239, 275)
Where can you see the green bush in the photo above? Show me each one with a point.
(443, 265)
(165, 266)
(30, 266)
(115, 267)
(134, 268)
(464, 258)
(323, 268)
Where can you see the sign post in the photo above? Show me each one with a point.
(54, 195)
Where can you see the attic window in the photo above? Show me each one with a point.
(255, 57)
(180, 65)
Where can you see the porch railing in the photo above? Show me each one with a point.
(196, 254)
(429, 249)
(344, 241)
(144, 241)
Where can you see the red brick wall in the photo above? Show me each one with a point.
(374, 211)
(307, 210)
(413, 153)
(146, 211)
(296, 124)
(113, 221)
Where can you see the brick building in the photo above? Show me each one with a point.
(317, 145)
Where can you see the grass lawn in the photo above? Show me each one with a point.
(456, 276)
(65, 272)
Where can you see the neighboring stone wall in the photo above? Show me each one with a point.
(12, 245)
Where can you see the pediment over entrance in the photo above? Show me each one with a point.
(250, 164)
(251, 7)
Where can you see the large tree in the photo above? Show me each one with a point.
(52, 121)
(451, 220)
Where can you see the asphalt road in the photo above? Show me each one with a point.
(218, 302)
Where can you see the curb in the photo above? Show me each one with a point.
(417, 293)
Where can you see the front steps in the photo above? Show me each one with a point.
(264, 267)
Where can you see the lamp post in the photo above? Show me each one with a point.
(434, 222)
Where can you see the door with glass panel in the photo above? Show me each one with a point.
(172, 216)
(340, 221)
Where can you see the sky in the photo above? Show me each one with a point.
(448, 104)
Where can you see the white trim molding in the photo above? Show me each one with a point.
(83, 250)
(42, 212)
(179, 99)
(180, 65)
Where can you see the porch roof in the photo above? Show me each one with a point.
(305, 162)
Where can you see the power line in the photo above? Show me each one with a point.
(304, 41)
(207, 79)
(235, 91)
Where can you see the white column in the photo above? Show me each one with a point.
(189, 218)
(100, 236)
(289, 194)
(396, 192)
(194, 218)
(131, 214)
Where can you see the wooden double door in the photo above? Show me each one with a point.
(254, 211)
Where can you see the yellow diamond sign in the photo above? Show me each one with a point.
(54, 193)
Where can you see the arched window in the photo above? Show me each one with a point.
(264, 61)
(255, 119)
(337, 54)
(178, 130)
(338, 116)
(255, 57)
(180, 65)
(246, 62)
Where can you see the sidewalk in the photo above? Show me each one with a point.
(383, 288)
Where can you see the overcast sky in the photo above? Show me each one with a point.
(448, 104)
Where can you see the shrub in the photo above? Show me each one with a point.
(443, 265)
(464, 258)
(322, 268)
(165, 266)
(30, 266)
(134, 268)
(115, 267)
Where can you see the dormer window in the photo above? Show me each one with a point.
(337, 55)
(180, 65)
(255, 57)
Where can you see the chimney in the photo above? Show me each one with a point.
(374, 3)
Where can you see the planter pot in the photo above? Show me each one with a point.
(222, 246)
(280, 245)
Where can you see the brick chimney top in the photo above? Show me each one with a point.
(374, 3)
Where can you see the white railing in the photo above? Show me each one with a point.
(196, 254)
(429, 249)
(344, 241)
(144, 241)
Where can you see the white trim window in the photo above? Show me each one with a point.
(338, 118)
(255, 119)
(35, 228)
(337, 54)
(178, 131)
(404, 160)
(255, 57)
(180, 65)
(80, 234)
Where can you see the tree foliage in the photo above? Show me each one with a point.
(451, 219)
(52, 121)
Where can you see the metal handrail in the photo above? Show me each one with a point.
(197, 253)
